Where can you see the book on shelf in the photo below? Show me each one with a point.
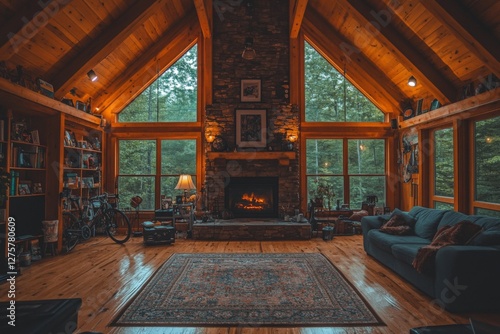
(14, 182)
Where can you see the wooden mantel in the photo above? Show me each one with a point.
(283, 157)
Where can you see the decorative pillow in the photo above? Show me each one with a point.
(396, 225)
(407, 218)
(358, 215)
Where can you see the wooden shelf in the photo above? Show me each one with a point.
(283, 157)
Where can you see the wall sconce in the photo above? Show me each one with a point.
(412, 82)
(92, 76)
(210, 138)
(248, 52)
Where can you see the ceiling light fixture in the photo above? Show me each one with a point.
(92, 76)
(249, 51)
(412, 82)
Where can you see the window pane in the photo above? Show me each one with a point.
(137, 157)
(443, 164)
(328, 188)
(366, 156)
(361, 186)
(486, 212)
(325, 91)
(487, 160)
(443, 206)
(144, 186)
(170, 98)
(178, 157)
(324, 156)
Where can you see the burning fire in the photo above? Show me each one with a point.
(251, 202)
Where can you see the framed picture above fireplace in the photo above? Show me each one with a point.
(250, 90)
(251, 128)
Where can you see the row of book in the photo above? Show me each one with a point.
(32, 157)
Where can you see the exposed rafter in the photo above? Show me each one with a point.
(144, 71)
(108, 41)
(19, 30)
(470, 31)
(367, 77)
(407, 54)
(299, 9)
(201, 10)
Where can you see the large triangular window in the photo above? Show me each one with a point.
(170, 98)
(330, 97)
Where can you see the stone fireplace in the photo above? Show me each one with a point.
(269, 23)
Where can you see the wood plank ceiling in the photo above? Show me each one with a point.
(379, 43)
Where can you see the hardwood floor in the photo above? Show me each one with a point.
(106, 275)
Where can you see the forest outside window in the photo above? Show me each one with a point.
(334, 176)
(139, 161)
(172, 97)
(329, 97)
(444, 171)
(486, 165)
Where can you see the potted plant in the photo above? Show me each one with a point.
(321, 192)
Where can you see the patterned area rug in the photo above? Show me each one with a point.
(254, 290)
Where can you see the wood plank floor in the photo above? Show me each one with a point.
(106, 275)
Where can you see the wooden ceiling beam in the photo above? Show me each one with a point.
(469, 30)
(407, 54)
(170, 47)
(23, 26)
(101, 47)
(299, 9)
(201, 10)
(365, 75)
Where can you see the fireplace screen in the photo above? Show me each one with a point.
(252, 197)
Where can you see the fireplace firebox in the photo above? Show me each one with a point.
(252, 197)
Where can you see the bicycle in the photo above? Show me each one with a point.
(97, 214)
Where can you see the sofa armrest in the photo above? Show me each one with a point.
(467, 278)
(373, 222)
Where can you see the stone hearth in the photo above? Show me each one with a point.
(248, 229)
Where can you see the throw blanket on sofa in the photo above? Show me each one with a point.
(458, 234)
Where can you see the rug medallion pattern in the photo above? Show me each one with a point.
(247, 290)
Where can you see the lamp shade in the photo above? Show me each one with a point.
(185, 182)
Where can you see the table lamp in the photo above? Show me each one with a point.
(185, 183)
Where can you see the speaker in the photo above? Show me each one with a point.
(394, 123)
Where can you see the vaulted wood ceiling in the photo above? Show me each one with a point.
(379, 43)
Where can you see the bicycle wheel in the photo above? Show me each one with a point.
(117, 225)
(71, 231)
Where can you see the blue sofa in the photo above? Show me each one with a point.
(466, 278)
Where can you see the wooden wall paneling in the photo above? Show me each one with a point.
(475, 37)
(100, 47)
(405, 52)
(14, 32)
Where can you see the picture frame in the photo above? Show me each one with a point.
(251, 90)
(251, 127)
(35, 137)
(24, 188)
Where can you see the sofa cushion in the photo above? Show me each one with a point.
(451, 218)
(405, 252)
(397, 225)
(486, 238)
(487, 223)
(386, 241)
(427, 221)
